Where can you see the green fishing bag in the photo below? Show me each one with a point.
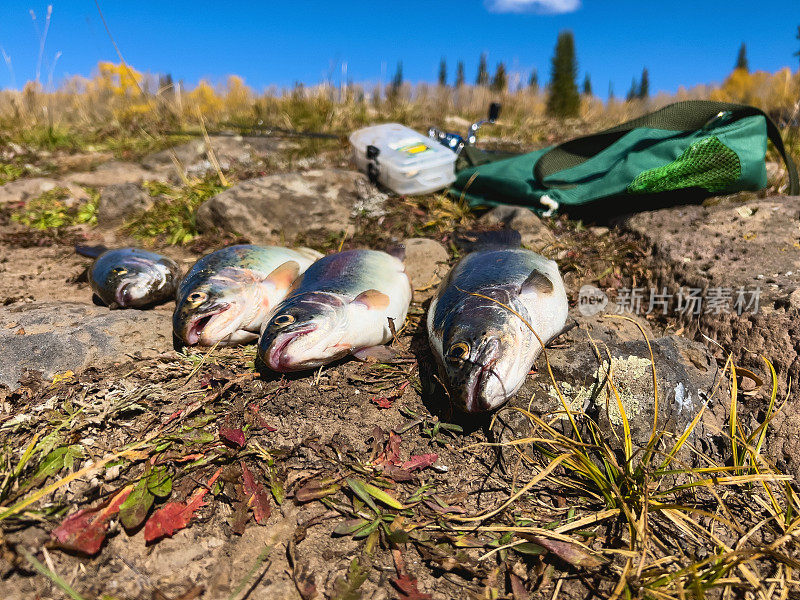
(698, 145)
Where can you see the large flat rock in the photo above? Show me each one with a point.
(752, 246)
(52, 337)
(279, 206)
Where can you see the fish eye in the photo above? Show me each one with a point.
(282, 320)
(119, 270)
(458, 352)
(197, 297)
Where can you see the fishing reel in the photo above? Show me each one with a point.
(455, 142)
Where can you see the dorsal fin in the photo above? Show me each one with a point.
(537, 282)
(285, 274)
(476, 241)
(90, 251)
(373, 299)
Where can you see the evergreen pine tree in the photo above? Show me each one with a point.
(610, 91)
(644, 85)
(397, 81)
(533, 82)
(500, 79)
(633, 93)
(483, 72)
(741, 59)
(460, 74)
(798, 39)
(587, 85)
(443, 72)
(564, 100)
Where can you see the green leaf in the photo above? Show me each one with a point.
(346, 588)
(133, 511)
(277, 492)
(159, 482)
(367, 529)
(360, 490)
(530, 548)
(383, 496)
(350, 526)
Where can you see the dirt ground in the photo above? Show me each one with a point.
(279, 466)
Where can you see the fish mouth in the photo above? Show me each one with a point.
(123, 294)
(276, 359)
(475, 401)
(198, 324)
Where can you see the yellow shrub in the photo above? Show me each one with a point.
(203, 98)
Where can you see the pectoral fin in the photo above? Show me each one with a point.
(537, 282)
(284, 275)
(383, 354)
(373, 299)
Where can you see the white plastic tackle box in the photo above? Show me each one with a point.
(403, 160)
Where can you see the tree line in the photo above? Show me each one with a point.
(563, 96)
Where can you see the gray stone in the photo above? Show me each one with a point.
(426, 263)
(753, 246)
(686, 376)
(29, 188)
(120, 202)
(52, 337)
(194, 158)
(282, 206)
(535, 234)
(117, 172)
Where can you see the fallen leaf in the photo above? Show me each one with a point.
(574, 554)
(420, 461)
(133, 511)
(85, 530)
(234, 436)
(176, 515)
(405, 584)
(381, 402)
(257, 497)
(315, 489)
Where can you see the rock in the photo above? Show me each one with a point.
(117, 172)
(54, 337)
(426, 263)
(228, 151)
(120, 202)
(26, 189)
(535, 234)
(750, 251)
(686, 376)
(286, 205)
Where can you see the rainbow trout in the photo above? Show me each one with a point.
(227, 295)
(130, 277)
(485, 351)
(343, 304)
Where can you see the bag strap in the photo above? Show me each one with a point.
(688, 115)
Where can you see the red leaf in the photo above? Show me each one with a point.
(86, 529)
(257, 497)
(381, 402)
(392, 450)
(176, 515)
(234, 436)
(420, 461)
(261, 422)
(405, 584)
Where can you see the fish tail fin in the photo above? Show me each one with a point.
(474, 241)
(90, 251)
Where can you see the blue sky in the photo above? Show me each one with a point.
(681, 42)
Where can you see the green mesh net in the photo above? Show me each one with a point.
(707, 164)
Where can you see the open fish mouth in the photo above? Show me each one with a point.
(277, 359)
(198, 324)
(125, 296)
(475, 400)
